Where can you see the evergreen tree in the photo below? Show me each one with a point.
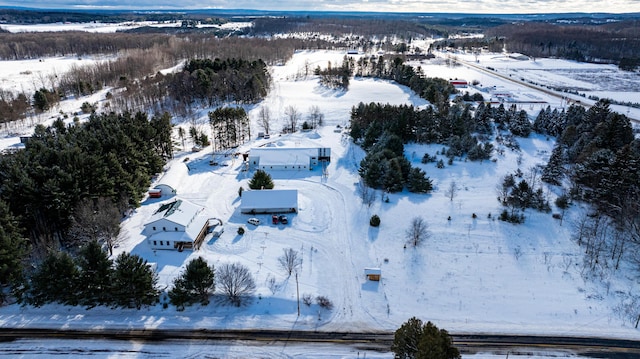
(95, 275)
(392, 180)
(520, 124)
(261, 180)
(194, 285)
(13, 248)
(418, 181)
(134, 283)
(415, 340)
(553, 171)
(54, 280)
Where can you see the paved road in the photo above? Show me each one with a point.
(379, 341)
(559, 95)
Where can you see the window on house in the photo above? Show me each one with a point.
(164, 228)
(176, 229)
(161, 243)
(155, 243)
(154, 228)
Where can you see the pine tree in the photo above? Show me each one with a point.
(194, 285)
(54, 280)
(553, 171)
(261, 180)
(134, 283)
(415, 340)
(418, 181)
(95, 275)
(13, 248)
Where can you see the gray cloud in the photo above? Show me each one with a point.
(473, 6)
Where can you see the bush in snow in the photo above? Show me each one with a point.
(374, 221)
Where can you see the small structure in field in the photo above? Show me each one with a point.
(178, 224)
(373, 274)
(269, 201)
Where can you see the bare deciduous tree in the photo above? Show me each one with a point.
(316, 117)
(235, 281)
(96, 220)
(264, 119)
(367, 194)
(451, 191)
(418, 231)
(293, 116)
(290, 261)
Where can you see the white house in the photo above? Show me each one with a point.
(178, 224)
(269, 201)
(288, 158)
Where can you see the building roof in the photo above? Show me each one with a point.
(178, 211)
(372, 271)
(276, 156)
(269, 198)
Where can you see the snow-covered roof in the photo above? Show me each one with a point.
(178, 211)
(372, 271)
(269, 198)
(175, 176)
(283, 155)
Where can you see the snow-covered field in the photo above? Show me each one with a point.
(472, 275)
(99, 27)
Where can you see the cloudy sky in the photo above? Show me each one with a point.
(459, 6)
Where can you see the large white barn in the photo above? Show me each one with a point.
(269, 201)
(178, 224)
(288, 158)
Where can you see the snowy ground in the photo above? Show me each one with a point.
(472, 275)
(99, 27)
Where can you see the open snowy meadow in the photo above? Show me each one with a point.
(475, 274)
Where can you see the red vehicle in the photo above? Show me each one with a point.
(274, 219)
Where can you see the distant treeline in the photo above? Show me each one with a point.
(617, 42)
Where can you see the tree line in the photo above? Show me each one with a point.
(111, 155)
(617, 42)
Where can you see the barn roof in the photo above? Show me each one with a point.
(269, 198)
(178, 211)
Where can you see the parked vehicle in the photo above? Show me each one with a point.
(283, 219)
(274, 219)
(253, 221)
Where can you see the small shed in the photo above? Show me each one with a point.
(269, 201)
(373, 273)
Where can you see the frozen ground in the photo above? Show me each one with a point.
(472, 275)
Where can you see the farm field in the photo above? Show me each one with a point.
(473, 274)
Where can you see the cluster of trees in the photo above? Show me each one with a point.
(198, 282)
(335, 76)
(520, 195)
(385, 167)
(111, 155)
(596, 149)
(215, 81)
(13, 107)
(90, 279)
(230, 126)
(433, 89)
(598, 158)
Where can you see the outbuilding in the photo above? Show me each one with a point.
(373, 274)
(269, 201)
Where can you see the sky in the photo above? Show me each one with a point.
(437, 6)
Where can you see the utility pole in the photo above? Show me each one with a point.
(298, 292)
